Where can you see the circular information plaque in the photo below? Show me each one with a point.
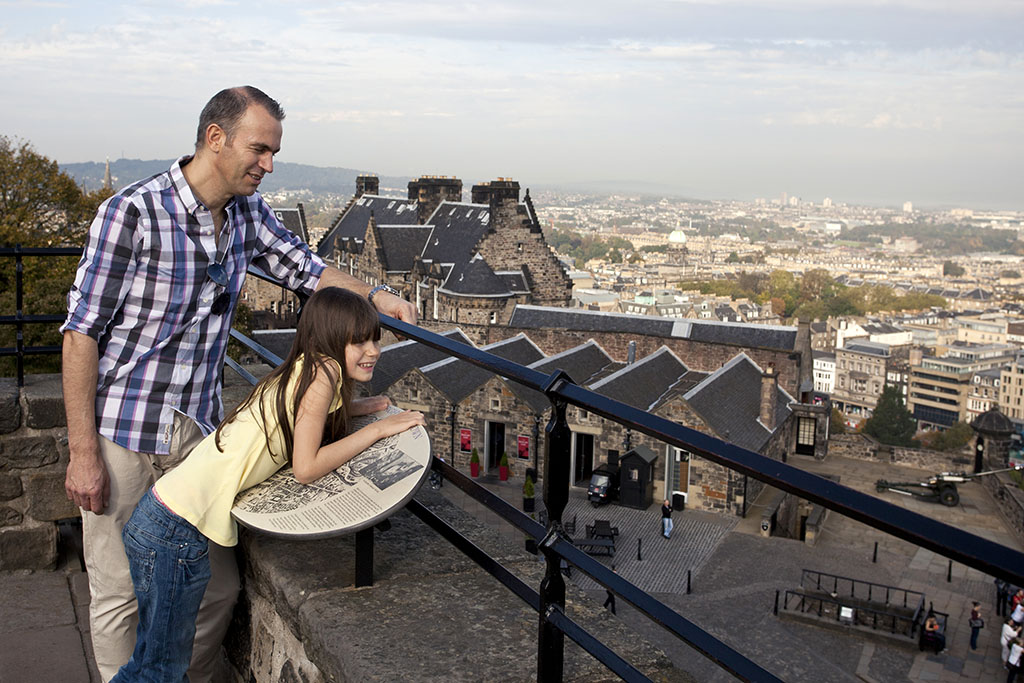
(362, 492)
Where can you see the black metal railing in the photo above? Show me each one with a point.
(828, 608)
(554, 624)
(19, 351)
(858, 589)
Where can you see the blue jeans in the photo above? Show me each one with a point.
(170, 567)
(666, 526)
(975, 630)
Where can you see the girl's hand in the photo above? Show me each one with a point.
(369, 405)
(399, 422)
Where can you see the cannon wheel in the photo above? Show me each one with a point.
(949, 496)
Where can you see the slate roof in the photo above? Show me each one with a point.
(729, 401)
(352, 223)
(738, 334)
(647, 383)
(402, 244)
(457, 379)
(869, 348)
(514, 280)
(397, 359)
(474, 278)
(458, 227)
(294, 220)
(581, 363)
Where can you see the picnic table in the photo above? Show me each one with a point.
(602, 528)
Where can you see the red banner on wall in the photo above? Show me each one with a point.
(465, 440)
(524, 447)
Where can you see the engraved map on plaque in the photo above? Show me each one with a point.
(360, 493)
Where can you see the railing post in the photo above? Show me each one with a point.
(19, 327)
(551, 640)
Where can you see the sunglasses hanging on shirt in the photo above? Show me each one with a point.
(219, 275)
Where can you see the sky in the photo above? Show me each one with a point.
(864, 101)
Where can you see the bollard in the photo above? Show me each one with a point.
(949, 572)
(638, 558)
(687, 581)
(874, 557)
(776, 610)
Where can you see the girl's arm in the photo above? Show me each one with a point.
(368, 405)
(310, 460)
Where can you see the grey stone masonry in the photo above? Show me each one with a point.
(33, 461)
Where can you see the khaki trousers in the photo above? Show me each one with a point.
(113, 613)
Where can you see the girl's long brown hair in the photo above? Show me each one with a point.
(332, 319)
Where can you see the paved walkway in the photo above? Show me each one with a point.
(735, 574)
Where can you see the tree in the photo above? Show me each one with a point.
(891, 423)
(1010, 274)
(40, 206)
(954, 438)
(951, 269)
(836, 422)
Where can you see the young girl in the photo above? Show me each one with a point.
(297, 414)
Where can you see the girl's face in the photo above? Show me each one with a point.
(360, 360)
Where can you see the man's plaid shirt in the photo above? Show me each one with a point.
(143, 294)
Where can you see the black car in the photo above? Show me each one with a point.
(604, 485)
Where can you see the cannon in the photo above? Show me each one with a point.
(939, 488)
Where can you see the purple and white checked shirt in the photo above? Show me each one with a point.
(143, 294)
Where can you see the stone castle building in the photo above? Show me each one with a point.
(459, 262)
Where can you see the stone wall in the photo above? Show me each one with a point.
(1011, 501)
(33, 462)
(863, 447)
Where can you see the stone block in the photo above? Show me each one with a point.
(9, 516)
(10, 409)
(33, 547)
(27, 452)
(44, 402)
(47, 499)
(10, 487)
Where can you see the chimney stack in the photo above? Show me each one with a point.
(367, 184)
(493, 192)
(769, 396)
(430, 191)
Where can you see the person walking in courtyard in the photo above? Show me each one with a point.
(1009, 632)
(976, 623)
(666, 519)
(609, 602)
(1013, 663)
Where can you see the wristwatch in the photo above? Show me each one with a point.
(379, 288)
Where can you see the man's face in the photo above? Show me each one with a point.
(249, 152)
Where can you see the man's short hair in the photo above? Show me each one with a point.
(227, 108)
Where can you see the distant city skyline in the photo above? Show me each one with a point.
(865, 101)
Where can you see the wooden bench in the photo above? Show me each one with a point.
(596, 546)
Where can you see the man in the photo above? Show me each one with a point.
(666, 519)
(144, 342)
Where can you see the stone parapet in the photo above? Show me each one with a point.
(431, 615)
(33, 461)
(863, 447)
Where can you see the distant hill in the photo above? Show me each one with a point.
(286, 176)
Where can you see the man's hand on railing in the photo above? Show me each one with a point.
(87, 482)
(396, 307)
